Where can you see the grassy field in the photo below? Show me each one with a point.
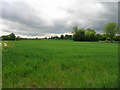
(60, 64)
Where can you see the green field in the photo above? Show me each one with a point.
(60, 64)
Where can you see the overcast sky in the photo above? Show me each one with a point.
(40, 18)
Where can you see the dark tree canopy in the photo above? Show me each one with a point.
(84, 34)
(62, 37)
(9, 37)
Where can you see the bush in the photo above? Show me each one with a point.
(116, 38)
(9, 37)
(79, 35)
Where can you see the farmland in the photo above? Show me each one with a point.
(59, 64)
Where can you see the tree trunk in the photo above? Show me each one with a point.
(111, 40)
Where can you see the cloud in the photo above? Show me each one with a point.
(55, 17)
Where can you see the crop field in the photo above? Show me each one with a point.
(59, 64)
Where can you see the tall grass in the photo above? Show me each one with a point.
(60, 64)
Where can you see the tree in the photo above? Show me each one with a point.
(98, 37)
(9, 37)
(36, 38)
(116, 38)
(118, 30)
(110, 29)
(12, 36)
(68, 36)
(75, 29)
(104, 37)
(45, 38)
(18, 38)
(0, 38)
(55, 37)
(62, 37)
(90, 35)
(79, 34)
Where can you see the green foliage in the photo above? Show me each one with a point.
(110, 29)
(79, 35)
(62, 37)
(54, 37)
(116, 38)
(18, 38)
(98, 37)
(68, 36)
(75, 29)
(104, 37)
(90, 35)
(60, 64)
(9, 37)
(12, 36)
(85, 35)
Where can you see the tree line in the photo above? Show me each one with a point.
(12, 36)
(61, 37)
(110, 33)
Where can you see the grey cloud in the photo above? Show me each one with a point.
(21, 13)
(23, 19)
